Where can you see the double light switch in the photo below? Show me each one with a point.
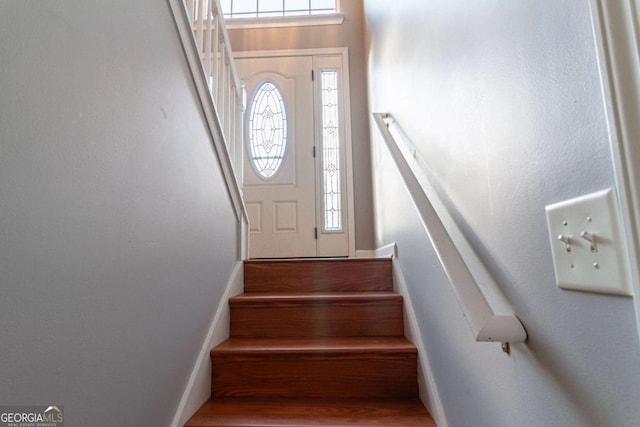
(588, 245)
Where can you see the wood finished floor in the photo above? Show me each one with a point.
(315, 343)
(270, 412)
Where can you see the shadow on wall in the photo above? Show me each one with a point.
(584, 405)
(541, 356)
(582, 401)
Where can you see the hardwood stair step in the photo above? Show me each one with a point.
(314, 345)
(316, 314)
(322, 368)
(318, 275)
(315, 342)
(264, 412)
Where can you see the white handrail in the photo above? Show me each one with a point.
(225, 125)
(484, 323)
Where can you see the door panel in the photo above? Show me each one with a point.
(282, 207)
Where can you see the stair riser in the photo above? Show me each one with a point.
(318, 276)
(369, 319)
(346, 376)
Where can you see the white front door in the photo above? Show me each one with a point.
(279, 165)
(286, 172)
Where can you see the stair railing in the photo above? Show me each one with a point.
(210, 33)
(207, 48)
(484, 323)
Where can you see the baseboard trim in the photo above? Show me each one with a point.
(387, 251)
(198, 388)
(365, 254)
(426, 382)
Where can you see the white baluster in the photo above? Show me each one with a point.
(200, 27)
(189, 6)
(221, 84)
(216, 45)
(207, 45)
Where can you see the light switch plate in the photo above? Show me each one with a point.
(588, 245)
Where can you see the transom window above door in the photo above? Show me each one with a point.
(270, 8)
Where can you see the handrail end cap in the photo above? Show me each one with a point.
(503, 328)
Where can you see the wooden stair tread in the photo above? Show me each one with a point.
(314, 297)
(334, 261)
(339, 345)
(315, 342)
(271, 412)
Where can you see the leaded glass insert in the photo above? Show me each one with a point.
(267, 130)
(331, 179)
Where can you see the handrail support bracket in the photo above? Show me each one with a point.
(506, 348)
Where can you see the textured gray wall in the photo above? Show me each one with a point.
(116, 232)
(503, 100)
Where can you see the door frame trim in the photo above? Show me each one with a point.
(616, 28)
(344, 53)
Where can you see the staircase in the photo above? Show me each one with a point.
(315, 342)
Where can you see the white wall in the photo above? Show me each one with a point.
(503, 99)
(117, 235)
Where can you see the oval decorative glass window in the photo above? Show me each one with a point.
(267, 130)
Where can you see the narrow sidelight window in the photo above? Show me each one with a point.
(331, 163)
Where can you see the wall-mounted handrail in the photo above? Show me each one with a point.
(484, 323)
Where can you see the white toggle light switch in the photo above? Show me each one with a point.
(587, 244)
